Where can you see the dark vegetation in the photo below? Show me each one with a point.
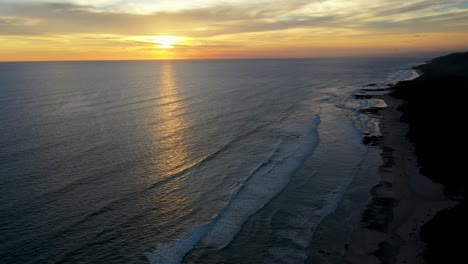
(435, 108)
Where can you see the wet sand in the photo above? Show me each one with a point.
(402, 202)
(434, 108)
(417, 213)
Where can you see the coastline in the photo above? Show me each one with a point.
(434, 110)
(401, 203)
(419, 197)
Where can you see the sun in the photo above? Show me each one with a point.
(165, 42)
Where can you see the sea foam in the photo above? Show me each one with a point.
(260, 187)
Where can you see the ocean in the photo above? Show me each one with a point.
(204, 161)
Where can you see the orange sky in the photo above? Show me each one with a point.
(198, 29)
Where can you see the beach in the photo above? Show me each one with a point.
(401, 202)
(435, 96)
(416, 213)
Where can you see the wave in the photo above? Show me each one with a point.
(365, 106)
(402, 75)
(304, 221)
(173, 252)
(266, 181)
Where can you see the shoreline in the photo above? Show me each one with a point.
(434, 111)
(401, 203)
(417, 209)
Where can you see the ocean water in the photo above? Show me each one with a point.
(217, 161)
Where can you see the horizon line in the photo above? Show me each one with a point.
(380, 56)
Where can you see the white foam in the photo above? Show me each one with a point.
(370, 125)
(302, 233)
(402, 75)
(174, 251)
(375, 103)
(262, 187)
(285, 255)
(265, 182)
(414, 74)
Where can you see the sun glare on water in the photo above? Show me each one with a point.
(166, 42)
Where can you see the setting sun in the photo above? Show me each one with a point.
(32, 30)
(166, 42)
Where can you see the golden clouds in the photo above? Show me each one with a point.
(206, 29)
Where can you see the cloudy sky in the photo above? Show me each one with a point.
(179, 29)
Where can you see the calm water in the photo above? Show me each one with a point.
(232, 161)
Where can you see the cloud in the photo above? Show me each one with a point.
(215, 20)
(230, 24)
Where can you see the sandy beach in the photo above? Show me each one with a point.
(416, 214)
(402, 202)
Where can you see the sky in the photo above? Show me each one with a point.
(208, 29)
